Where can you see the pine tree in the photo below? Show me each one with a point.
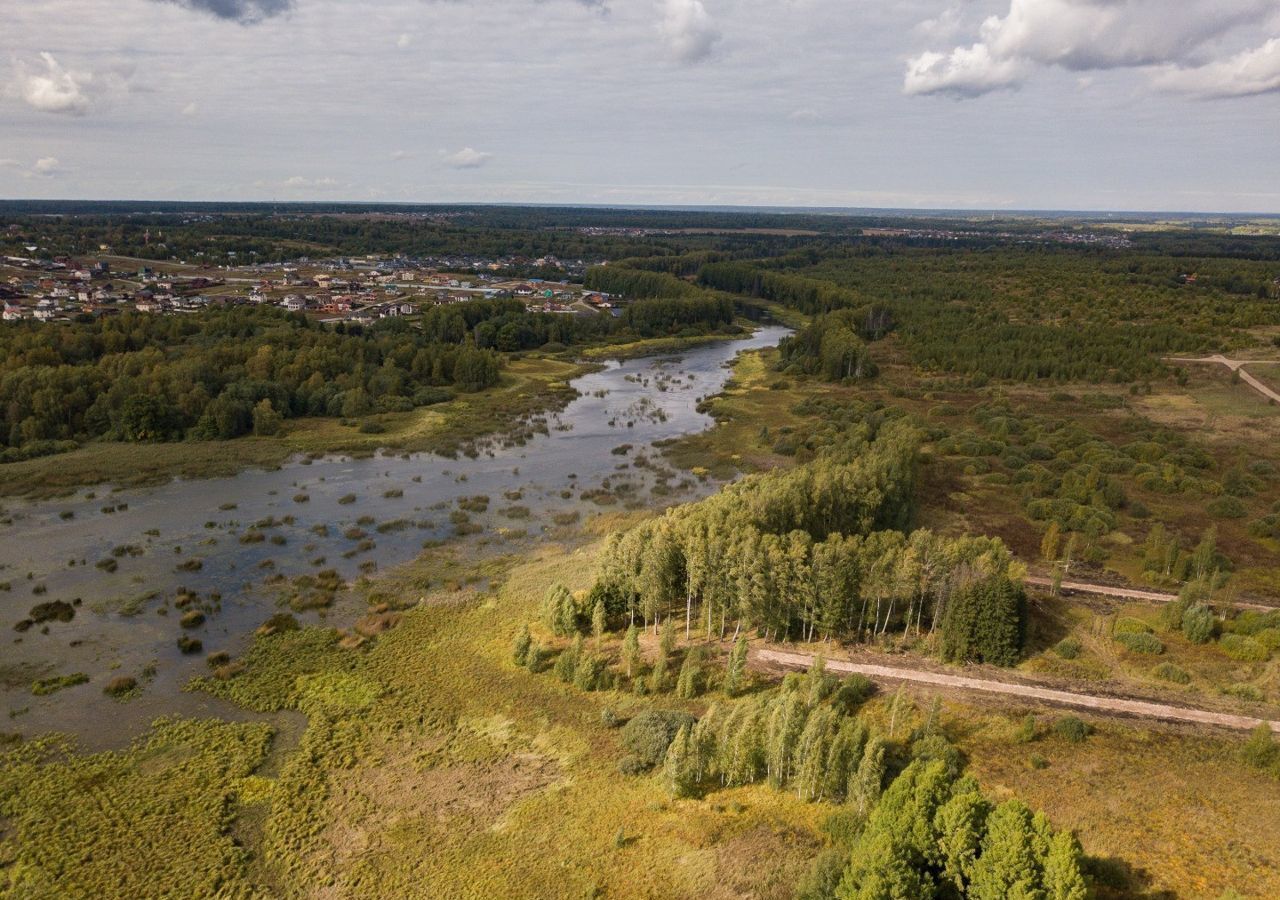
(631, 650)
(961, 824)
(1007, 868)
(1063, 878)
(520, 646)
(736, 673)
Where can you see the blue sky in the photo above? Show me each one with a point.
(1064, 104)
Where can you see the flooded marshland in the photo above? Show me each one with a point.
(148, 583)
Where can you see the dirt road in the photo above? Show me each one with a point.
(1106, 705)
(1235, 365)
(1106, 590)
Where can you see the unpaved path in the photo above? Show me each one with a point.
(1235, 365)
(1107, 705)
(1107, 590)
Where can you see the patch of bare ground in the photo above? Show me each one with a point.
(764, 862)
(371, 803)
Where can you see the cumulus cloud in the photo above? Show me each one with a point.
(1249, 72)
(688, 30)
(1082, 36)
(53, 88)
(404, 40)
(44, 167)
(965, 72)
(466, 158)
(246, 12)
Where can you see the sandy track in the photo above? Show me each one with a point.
(1235, 365)
(1107, 705)
(1107, 590)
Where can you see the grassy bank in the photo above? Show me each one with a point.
(529, 385)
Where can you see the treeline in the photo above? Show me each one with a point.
(219, 374)
(810, 296)
(819, 552)
(649, 318)
(830, 346)
(506, 325)
(632, 283)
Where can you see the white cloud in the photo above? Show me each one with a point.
(404, 40)
(44, 167)
(191, 109)
(965, 72)
(1249, 72)
(466, 158)
(688, 30)
(1082, 36)
(54, 89)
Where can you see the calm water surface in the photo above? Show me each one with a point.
(187, 535)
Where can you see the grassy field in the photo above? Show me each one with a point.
(432, 766)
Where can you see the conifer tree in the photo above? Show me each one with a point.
(1007, 867)
(961, 824)
(1063, 877)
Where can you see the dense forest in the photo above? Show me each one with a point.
(223, 373)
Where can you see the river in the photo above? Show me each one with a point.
(121, 558)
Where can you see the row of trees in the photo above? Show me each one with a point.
(819, 552)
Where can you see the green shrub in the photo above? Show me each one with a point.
(1227, 507)
(1269, 638)
(1140, 643)
(1244, 649)
(854, 691)
(1198, 623)
(1072, 729)
(1129, 625)
(1068, 648)
(46, 686)
(647, 736)
(1170, 672)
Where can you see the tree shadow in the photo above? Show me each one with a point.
(1117, 878)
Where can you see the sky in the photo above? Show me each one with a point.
(963, 104)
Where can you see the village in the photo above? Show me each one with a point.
(358, 290)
